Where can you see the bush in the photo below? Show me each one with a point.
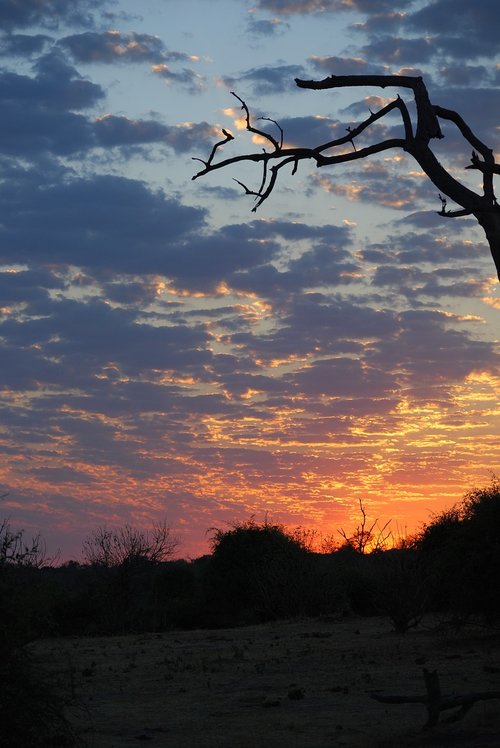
(461, 552)
(399, 587)
(31, 712)
(257, 572)
(129, 545)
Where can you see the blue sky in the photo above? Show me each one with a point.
(168, 353)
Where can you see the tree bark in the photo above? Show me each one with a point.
(490, 221)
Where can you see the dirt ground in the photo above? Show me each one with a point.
(293, 684)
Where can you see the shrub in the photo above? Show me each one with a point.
(257, 572)
(461, 552)
(31, 712)
(399, 587)
(129, 545)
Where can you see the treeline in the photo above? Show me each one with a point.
(257, 572)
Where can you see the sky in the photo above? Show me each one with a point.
(169, 354)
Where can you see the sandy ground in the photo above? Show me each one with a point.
(293, 684)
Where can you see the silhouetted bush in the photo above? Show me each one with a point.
(461, 553)
(31, 712)
(258, 572)
(129, 545)
(119, 582)
(399, 590)
(356, 578)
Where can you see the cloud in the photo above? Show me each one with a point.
(39, 117)
(313, 323)
(343, 378)
(444, 258)
(111, 47)
(302, 7)
(194, 82)
(390, 21)
(478, 107)
(103, 222)
(326, 264)
(152, 348)
(17, 287)
(416, 284)
(444, 29)
(399, 50)
(461, 29)
(23, 45)
(50, 13)
(56, 87)
(379, 184)
(333, 65)
(458, 74)
(431, 354)
(267, 80)
(309, 130)
(112, 131)
(33, 130)
(267, 27)
(115, 47)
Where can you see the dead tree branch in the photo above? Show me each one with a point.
(435, 702)
(366, 536)
(416, 142)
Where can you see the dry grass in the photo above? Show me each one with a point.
(299, 684)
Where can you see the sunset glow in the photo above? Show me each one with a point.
(167, 353)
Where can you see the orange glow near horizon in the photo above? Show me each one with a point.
(199, 325)
(291, 467)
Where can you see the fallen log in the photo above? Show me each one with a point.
(435, 702)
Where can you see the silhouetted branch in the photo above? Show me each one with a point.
(255, 130)
(427, 121)
(228, 137)
(435, 702)
(487, 153)
(482, 166)
(416, 141)
(451, 213)
(364, 536)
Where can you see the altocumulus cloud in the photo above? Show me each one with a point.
(160, 349)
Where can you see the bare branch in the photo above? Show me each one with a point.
(374, 116)
(486, 153)
(255, 130)
(289, 155)
(435, 702)
(342, 158)
(272, 181)
(228, 137)
(451, 213)
(125, 545)
(367, 536)
(427, 122)
(268, 119)
(415, 142)
(482, 166)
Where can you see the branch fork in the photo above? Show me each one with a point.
(416, 142)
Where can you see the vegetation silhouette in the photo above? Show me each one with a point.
(260, 572)
(255, 572)
(32, 709)
(460, 551)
